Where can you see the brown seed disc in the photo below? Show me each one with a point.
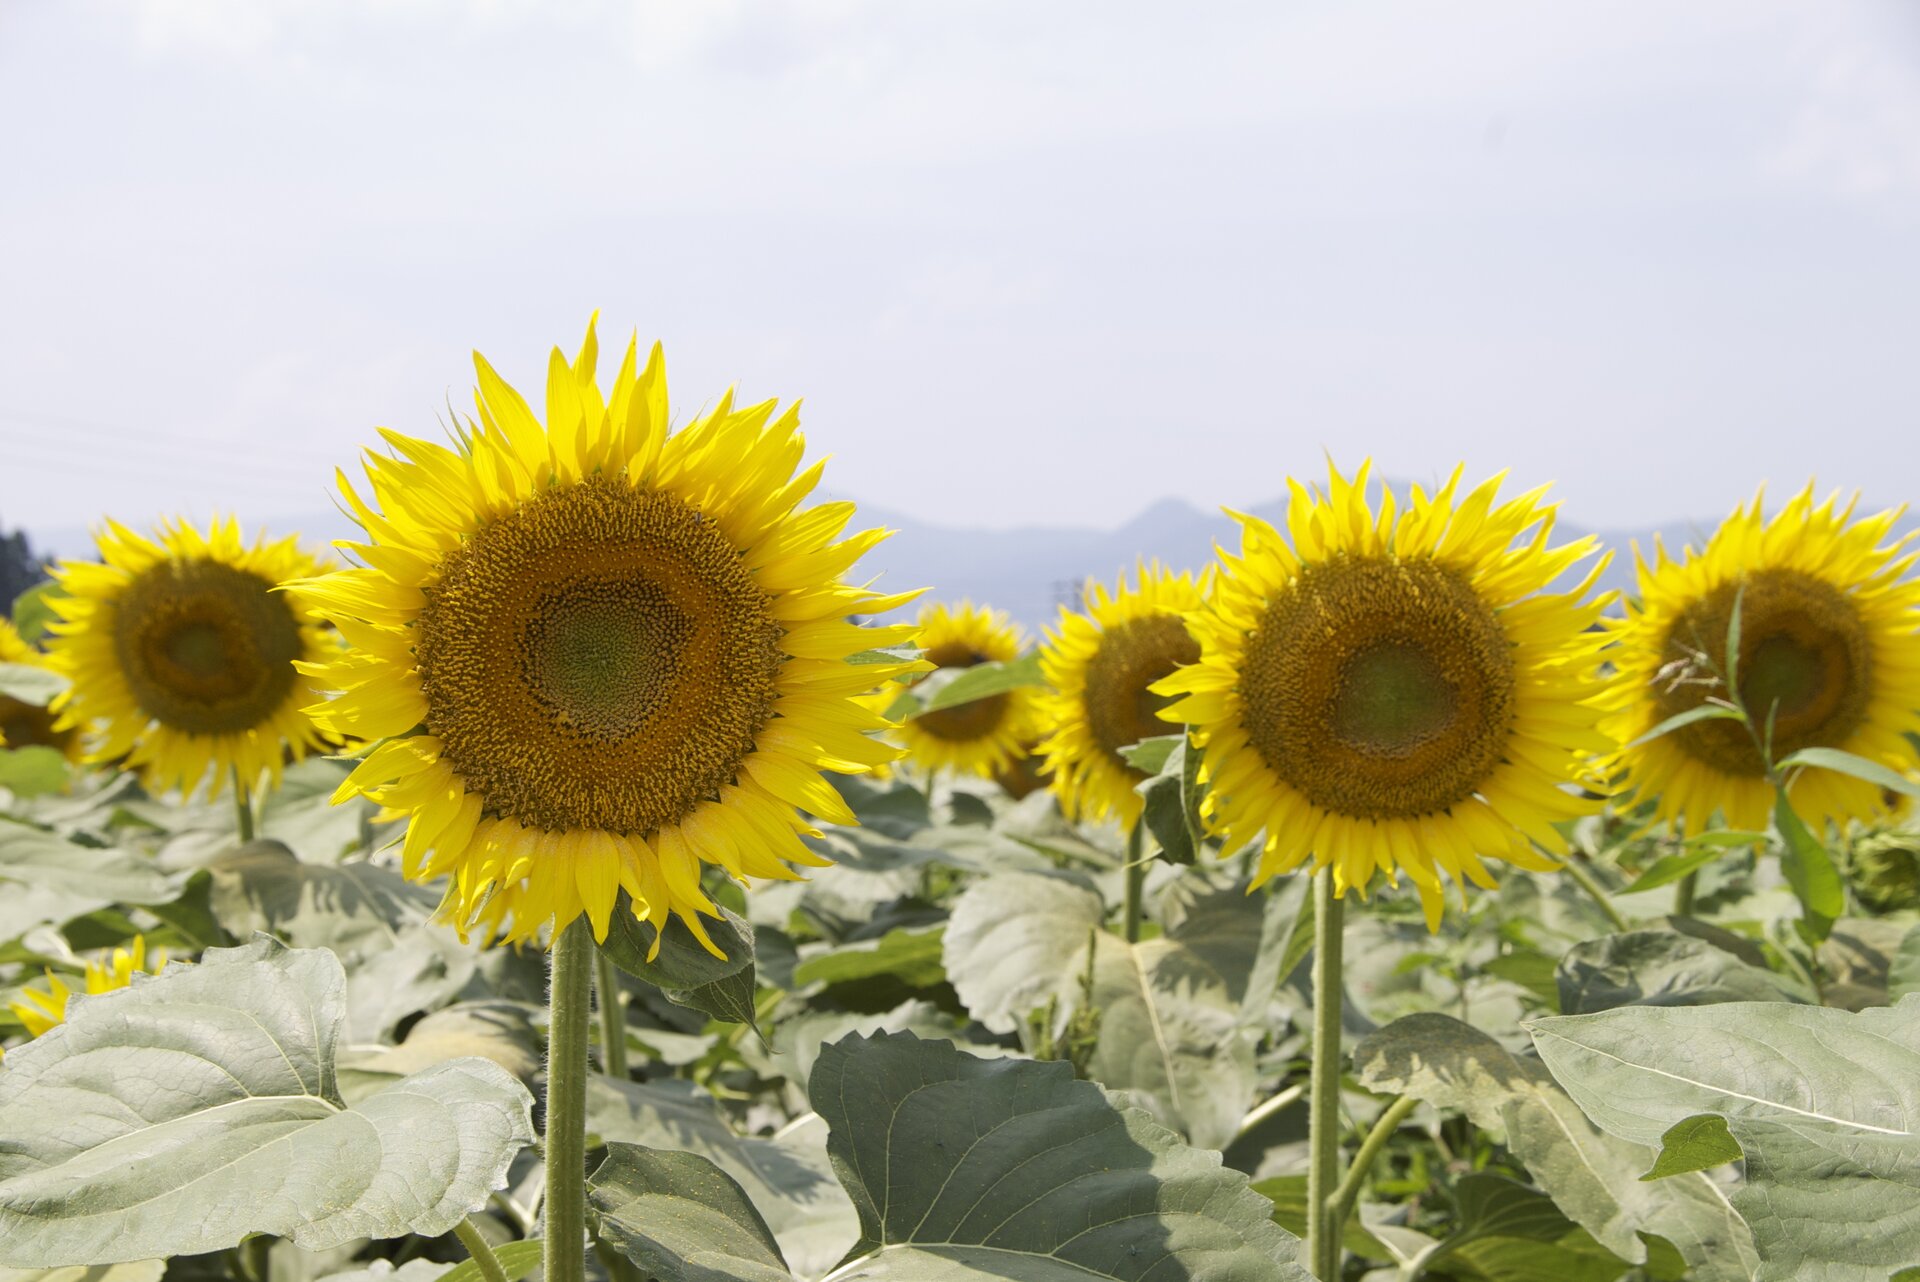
(205, 647)
(1805, 658)
(1379, 688)
(600, 658)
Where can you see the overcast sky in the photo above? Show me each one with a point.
(1027, 262)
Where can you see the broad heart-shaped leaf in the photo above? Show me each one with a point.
(965, 1168)
(787, 1177)
(1593, 1177)
(198, 1106)
(46, 879)
(682, 1219)
(1170, 1036)
(1011, 943)
(686, 972)
(1825, 1103)
(1660, 968)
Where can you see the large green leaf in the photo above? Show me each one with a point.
(1011, 943)
(1825, 1104)
(1170, 1036)
(682, 968)
(199, 1106)
(787, 1176)
(969, 1168)
(1661, 968)
(1593, 1177)
(46, 879)
(911, 956)
(981, 681)
(33, 771)
(681, 1219)
(30, 683)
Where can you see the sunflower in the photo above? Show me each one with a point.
(595, 655)
(986, 735)
(1396, 692)
(182, 653)
(1829, 651)
(1102, 665)
(40, 1011)
(27, 725)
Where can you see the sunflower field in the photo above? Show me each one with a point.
(587, 872)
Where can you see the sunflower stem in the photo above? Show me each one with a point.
(243, 806)
(1589, 883)
(1136, 882)
(1683, 894)
(570, 998)
(613, 1018)
(1323, 1109)
(1356, 1179)
(483, 1257)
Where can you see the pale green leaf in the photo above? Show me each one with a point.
(199, 1106)
(1011, 942)
(33, 771)
(1593, 1177)
(681, 1219)
(1825, 1103)
(30, 683)
(1809, 869)
(1847, 763)
(1681, 720)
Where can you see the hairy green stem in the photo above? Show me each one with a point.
(1136, 882)
(243, 806)
(1323, 1110)
(613, 1017)
(483, 1256)
(1683, 894)
(1349, 1191)
(570, 995)
(1584, 879)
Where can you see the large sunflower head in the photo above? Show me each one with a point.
(28, 725)
(1395, 691)
(1829, 651)
(595, 655)
(1102, 665)
(181, 652)
(987, 735)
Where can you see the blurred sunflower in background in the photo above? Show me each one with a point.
(27, 725)
(1395, 691)
(181, 653)
(984, 736)
(1829, 654)
(41, 1010)
(1102, 664)
(595, 654)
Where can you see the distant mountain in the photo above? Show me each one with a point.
(1029, 571)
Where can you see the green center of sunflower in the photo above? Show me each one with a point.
(1805, 660)
(1379, 688)
(205, 647)
(1121, 710)
(598, 658)
(964, 722)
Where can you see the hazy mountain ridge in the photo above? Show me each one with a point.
(1029, 571)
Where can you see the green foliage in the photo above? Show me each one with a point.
(33, 771)
(1822, 1103)
(1695, 1144)
(220, 1116)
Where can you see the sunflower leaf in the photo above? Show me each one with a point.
(33, 771)
(1847, 763)
(1681, 720)
(46, 879)
(1695, 1144)
(30, 684)
(681, 1218)
(1821, 1102)
(1593, 1177)
(220, 1118)
(684, 970)
(1809, 869)
(963, 1167)
(982, 681)
(33, 610)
